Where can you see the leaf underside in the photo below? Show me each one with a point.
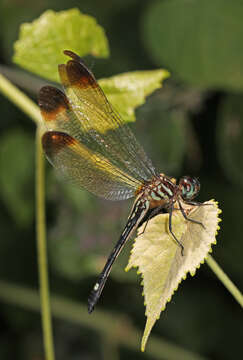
(159, 259)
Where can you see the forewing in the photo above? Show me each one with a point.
(111, 136)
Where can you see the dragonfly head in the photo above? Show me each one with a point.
(189, 187)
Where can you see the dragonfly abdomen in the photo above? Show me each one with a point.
(139, 210)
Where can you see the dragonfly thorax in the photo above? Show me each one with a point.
(159, 191)
(163, 190)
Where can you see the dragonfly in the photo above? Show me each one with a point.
(88, 142)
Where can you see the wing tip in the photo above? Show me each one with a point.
(72, 55)
(55, 141)
(51, 101)
(76, 73)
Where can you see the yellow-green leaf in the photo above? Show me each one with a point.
(129, 90)
(40, 46)
(159, 258)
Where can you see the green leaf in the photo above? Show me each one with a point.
(129, 90)
(41, 43)
(159, 258)
(16, 176)
(230, 137)
(200, 41)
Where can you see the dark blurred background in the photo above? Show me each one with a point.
(193, 125)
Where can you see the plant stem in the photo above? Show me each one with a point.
(230, 286)
(104, 323)
(42, 253)
(22, 101)
(31, 109)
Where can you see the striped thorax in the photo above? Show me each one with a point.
(159, 191)
(163, 190)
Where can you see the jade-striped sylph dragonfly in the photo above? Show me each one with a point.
(89, 143)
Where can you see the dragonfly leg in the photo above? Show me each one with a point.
(196, 203)
(170, 228)
(189, 219)
(142, 232)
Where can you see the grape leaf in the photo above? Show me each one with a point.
(129, 90)
(159, 258)
(40, 46)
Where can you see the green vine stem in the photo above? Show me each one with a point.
(31, 109)
(230, 286)
(22, 101)
(42, 253)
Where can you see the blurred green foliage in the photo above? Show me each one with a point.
(16, 177)
(199, 40)
(184, 129)
(230, 137)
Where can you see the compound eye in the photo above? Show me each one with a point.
(189, 187)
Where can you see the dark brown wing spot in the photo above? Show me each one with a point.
(55, 141)
(77, 59)
(79, 75)
(52, 101)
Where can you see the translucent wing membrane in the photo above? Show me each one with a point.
(70, 151)
(83, 167)
(96, 114)
(105, 148)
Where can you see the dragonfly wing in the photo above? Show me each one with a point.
(74, 151)
(111, 136)
(83, 167)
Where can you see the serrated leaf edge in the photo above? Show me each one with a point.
(219, 211)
